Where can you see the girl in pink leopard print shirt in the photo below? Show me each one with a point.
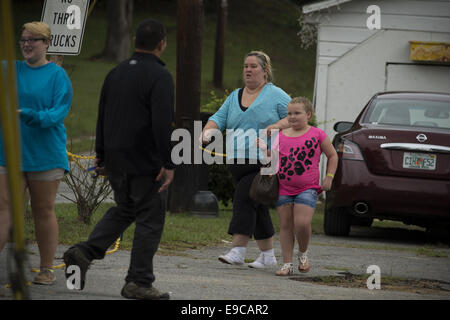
(298, 149)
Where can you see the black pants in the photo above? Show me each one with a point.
(137, 201)
(249, 217)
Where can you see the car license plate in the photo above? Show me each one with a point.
(422, 161)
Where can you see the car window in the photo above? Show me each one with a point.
(413, 113)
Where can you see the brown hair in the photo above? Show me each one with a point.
(305, 102)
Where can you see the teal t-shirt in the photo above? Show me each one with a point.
(44, 97)
(242, 127)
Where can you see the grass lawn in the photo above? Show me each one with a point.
(181, 231)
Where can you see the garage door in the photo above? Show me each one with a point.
(406, 77)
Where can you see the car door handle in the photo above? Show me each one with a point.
(415, 147)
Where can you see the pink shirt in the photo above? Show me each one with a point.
(299, 159)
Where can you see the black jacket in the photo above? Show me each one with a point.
(135, 117)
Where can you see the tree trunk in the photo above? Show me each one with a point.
(220, 44)
(188, 84)
(118, 39)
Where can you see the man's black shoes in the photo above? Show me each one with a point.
(132, 291)
(74, 257)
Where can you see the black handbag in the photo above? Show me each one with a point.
(264, 189)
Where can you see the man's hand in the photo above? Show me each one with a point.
(167, 175)
(99, 167)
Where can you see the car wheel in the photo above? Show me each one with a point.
(337, 222)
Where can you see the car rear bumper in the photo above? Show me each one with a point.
(412, 200)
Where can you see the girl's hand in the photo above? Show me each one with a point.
(326, 183)
(268, 130)
(261, 144)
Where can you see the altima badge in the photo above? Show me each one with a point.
(421, 137)
(377, 137)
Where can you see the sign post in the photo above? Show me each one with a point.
(67, 19)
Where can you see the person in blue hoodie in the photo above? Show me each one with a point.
(45, 95)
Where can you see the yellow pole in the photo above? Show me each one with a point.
(11, 142)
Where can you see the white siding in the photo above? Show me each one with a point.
(429, 8)
(417, 77)
(342, 27)
(344, 34)
(389, 21)
(361, 73)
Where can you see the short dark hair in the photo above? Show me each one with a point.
(149, 33)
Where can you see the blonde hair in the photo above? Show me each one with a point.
(38, 28)
(305, 102)
(264, 62)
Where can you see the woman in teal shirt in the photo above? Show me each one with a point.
(260, 105)
(45, 95)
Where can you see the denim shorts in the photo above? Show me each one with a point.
(307, 197)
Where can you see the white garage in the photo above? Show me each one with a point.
(409, 51)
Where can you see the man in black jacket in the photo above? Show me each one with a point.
(133, 145)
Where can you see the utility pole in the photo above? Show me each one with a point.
(220, 44)
(188, 87)
(189, 51)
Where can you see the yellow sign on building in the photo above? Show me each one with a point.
(429, 51)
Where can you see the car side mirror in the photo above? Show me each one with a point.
(342, 126)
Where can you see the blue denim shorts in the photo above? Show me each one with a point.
(307, 197)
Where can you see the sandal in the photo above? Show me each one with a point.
(286, 270)
(303, 266)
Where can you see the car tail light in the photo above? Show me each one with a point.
(349, 150)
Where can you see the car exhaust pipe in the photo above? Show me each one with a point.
(361, 208)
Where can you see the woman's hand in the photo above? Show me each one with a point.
(205, 136)
(207, 133)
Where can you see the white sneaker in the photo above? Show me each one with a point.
(263, 261)
(234, 256)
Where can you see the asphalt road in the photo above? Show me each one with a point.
(197, 275)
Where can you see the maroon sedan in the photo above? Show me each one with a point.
(394, 163)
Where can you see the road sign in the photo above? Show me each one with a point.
(66, 19)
